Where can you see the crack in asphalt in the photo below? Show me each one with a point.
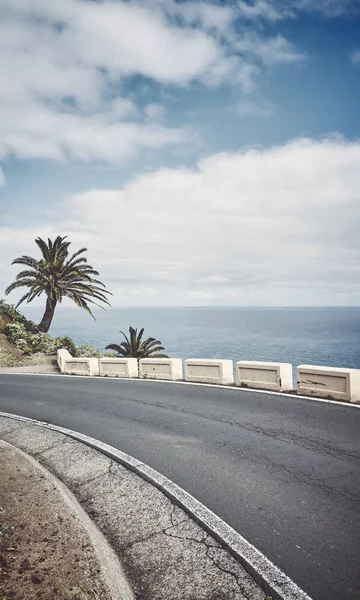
(302, 477)
(205, 541)
(292, 438)
(153, 534)
(311, 479)
(227, 572)
(210, 545)
(91, 480)
(287, 437)
(50, 447)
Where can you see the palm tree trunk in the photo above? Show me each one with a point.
(45, 322)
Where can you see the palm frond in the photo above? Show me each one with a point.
(134, 347)
(114, 347)
(24, 297)
(149, 353)
(29, 261)
(58, 276)
(81, 251)
(44, 248)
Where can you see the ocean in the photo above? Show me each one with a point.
(317, 336)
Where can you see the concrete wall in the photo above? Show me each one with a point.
(342, 384)
(76, 366)
(209, 371)
(264, 375)
(161, 368)
(81, 366)
(118, 367)
(62, 355)
(337, 383)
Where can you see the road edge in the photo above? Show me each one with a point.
(112, 572)
(235, 388)
(264, 572)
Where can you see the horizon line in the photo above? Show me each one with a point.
(205, 306)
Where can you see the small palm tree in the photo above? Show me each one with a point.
(135, 347)
(57, 276)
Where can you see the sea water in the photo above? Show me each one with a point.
(318, 336)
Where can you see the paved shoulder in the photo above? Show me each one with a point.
(165, 554)
(49, 547)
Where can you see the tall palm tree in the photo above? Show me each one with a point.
(135, 347)
(57, 276)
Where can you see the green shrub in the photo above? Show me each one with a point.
(30, 343)
(86, 351)
(67, 343)
(19, 333)
(8, 310)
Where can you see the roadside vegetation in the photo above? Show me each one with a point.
(20, 344)
(58, 275)
(135, 347)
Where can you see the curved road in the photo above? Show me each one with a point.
(284, 472)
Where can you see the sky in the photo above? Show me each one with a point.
(206, 153)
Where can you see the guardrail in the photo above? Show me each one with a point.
(118, 367)
(161, 368)
(209, 371)
(342, 384)
(62, 355)
(77, 366)
(264, 375)
(82, 366)
(328, 382)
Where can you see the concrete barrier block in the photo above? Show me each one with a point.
(81, 366)
(62, 355)
(209, 371)
(341, 384)
(264, 375)
(118, 367)
(161, 368)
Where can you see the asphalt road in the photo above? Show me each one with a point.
(284, 472)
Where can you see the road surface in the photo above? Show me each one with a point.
(284, 472)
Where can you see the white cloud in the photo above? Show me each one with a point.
(277, 10)
(262, 226)
(329, 8)
(355, 58)
(263, 9)
(272, 51)
(155, 111)
(2, 178)
(130, 39)
(39, 132)
(255, 108)
(123, 37)
(209, 16)
(64, 67)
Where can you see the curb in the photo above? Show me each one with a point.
(111, 569)
(265, 573)
(294, 396)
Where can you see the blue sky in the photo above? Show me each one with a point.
(226, 135)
